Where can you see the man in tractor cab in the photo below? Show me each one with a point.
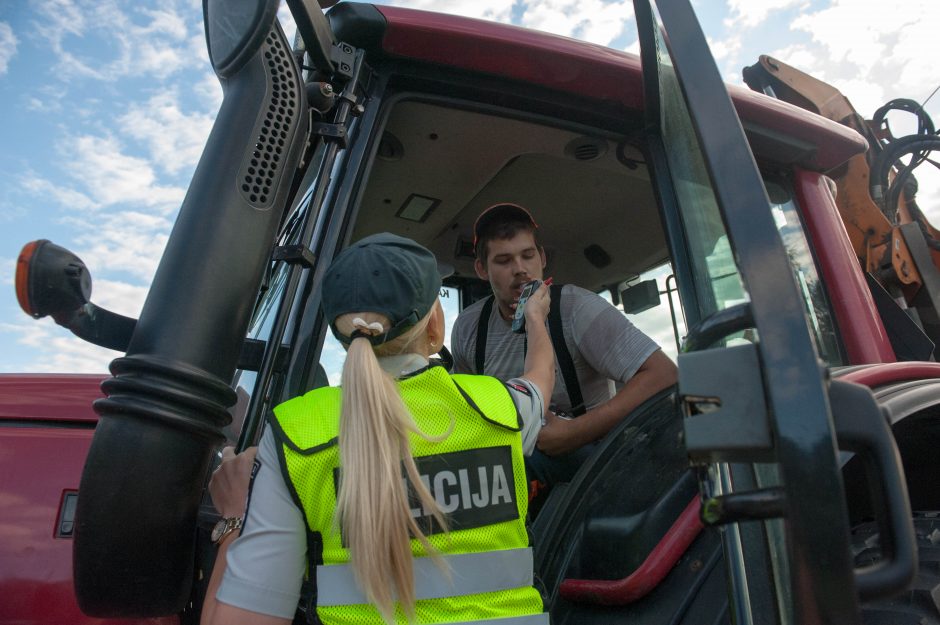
(597, 349)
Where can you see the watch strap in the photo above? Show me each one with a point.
(231, 524)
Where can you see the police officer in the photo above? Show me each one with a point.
(405, 488)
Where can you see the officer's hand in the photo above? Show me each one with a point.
(536, 307)
(229, 484)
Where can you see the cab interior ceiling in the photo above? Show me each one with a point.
(597, 215)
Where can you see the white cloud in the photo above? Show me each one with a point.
(119, 297)
(209, 91)
(11, 212)
(928, 194)
(887, 50)
(196, 47)
(129, 242)
(287, 23)
(332, 358)
(595, 21)
(726, 48)
(8, 43)
(7, 271)
(40, 105)
(64, 196)
(55, 349)
(63, 17)
(167, 23)
(175, 139)
(492, 10)
(750, 13)
(866, 96)
(144, 42)
(605, 22)
(110, 176)
(802, 58)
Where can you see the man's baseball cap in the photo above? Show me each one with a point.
(386, 274)
(497, 213)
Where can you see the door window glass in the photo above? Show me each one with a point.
(713, 264)
(819, 316)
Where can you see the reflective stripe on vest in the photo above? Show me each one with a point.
(530, 619)
(470, 574)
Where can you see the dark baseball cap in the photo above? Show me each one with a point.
(497, 213)
(386, 274)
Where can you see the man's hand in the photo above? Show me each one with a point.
(229, 484)
(559, 436)
(657, 373)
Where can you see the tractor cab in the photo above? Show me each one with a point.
(695, 207)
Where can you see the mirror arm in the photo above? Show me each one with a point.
(107, 329)
(98, 326)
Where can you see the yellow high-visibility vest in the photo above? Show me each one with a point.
(477, 476)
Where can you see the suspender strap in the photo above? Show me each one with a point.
(470, 574)
(562, 355)
(483, 325)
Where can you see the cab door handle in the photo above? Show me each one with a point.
(861, 427)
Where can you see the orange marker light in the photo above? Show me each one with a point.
(22, 276)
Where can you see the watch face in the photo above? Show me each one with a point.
(219, 530)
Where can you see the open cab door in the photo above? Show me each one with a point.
(755, 396)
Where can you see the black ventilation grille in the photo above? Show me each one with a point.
(586, 152)
(586, 148)
(259, 173)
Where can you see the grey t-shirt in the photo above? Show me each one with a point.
(606, 348)
(266, 564)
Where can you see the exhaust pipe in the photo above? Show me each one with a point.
(169, 395)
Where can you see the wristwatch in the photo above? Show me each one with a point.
(225, 527)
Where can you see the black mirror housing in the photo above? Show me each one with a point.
(51, 280)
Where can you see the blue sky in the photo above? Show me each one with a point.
(105, 105)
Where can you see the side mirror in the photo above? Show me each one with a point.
(51, 280)
(640, 296)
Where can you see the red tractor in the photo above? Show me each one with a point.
(775, 485)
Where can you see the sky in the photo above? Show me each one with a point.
(105, 106)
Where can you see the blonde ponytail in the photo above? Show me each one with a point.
(372, 504)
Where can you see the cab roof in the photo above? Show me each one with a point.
(777, 130)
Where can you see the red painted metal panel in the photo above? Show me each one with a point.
(46, 426)
(888, 373)
(57, 397)
(37, 466)
(860, 327)
(587, 70)
(834, 143)
(550, 61)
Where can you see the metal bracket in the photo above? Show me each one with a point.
(294, 255)
(343, 56)
(330, 132)
(722, 395)
(767, 503)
